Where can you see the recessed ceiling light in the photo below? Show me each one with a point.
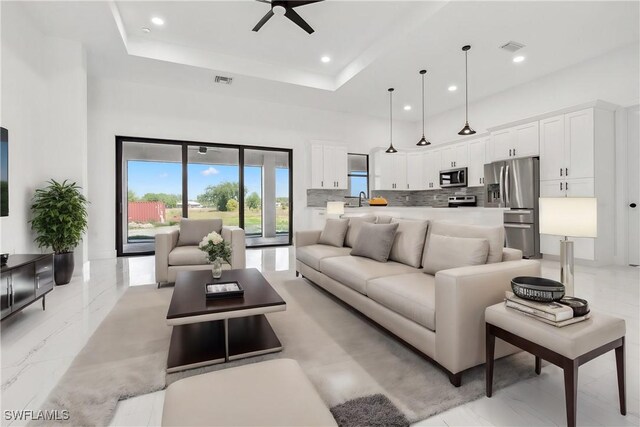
(407, 108)
(146, 30)
(325, 59)
(518, 58)
(453, 88)
(157, 21)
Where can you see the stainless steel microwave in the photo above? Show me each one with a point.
(453, 178)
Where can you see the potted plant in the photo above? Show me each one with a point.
(59, 220)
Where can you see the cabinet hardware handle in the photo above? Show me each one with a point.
(514, 151)
(509, 152)
(566, 171)
(560, 171)
(407, 185)
(321, 183)
(560, 186)
(566, 185)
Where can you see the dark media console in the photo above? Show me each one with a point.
(25, 279)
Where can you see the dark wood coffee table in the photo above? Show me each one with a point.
(210, 331)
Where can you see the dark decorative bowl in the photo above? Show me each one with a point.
(4, 258)
(537, 289)
(580, 307)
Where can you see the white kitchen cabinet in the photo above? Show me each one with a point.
(329, 167)
(432, 161)
(399, 171)
(390, 171)
(516, 142)
(455, 156)
(415, 171)
(567, 146)
(477, 159)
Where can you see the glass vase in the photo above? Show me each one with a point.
(216, 268)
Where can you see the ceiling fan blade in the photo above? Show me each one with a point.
(295, 3)
(297, 19)
(264, 20)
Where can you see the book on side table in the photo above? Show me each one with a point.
(552, 313)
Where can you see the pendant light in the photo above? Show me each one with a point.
(423, 141)
(466, 130)
(391, 150)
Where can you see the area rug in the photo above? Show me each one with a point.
(344, 355)
(371, 411)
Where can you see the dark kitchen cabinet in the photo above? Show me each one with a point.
(24, 280)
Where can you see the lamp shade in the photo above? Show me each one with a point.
(569, 216)
(335, 208)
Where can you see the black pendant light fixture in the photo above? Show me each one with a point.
(391, 149)
(423, 141)
(466, 130)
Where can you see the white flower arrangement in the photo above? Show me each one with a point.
(215, 247)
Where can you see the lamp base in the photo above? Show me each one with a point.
(566, 266)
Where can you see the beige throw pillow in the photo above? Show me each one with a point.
(334, 232)
(355, 223)
(409, 242)
(445, 252)
(374, 241)
(493, 234)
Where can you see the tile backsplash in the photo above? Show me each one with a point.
(432, 198)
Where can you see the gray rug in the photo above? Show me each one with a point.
(369, 411)
(341, 352)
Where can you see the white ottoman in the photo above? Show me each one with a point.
(272, 393)
(567, 347)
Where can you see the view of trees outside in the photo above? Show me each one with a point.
(207, 198)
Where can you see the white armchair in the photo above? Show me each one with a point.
(178, 250)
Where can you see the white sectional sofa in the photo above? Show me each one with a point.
(441, 315)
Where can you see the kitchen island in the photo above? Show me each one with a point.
(463, 215)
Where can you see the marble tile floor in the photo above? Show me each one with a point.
(37, 347)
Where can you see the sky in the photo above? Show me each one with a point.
(166, 177)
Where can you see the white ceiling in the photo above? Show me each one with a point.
(373, 45)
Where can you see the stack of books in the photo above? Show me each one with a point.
(553, 313)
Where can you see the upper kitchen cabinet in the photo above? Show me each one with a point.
(515, 142)
(329, 167)
(415, 171)
(390, 170)
(477, 159)
(431, 161)
(455, 156)
(568, 143)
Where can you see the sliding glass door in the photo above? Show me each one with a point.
(160, 182)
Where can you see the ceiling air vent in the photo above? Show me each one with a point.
(224, 80)
(512, 46)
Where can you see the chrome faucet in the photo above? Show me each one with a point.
(362, 196)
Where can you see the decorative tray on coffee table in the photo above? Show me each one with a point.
(223, 290)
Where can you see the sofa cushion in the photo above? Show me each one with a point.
(495, 236)
(383, 219)
(312, 254)
(411, 295)
(409, 242)
(374, 241)
(354, 272)
(192, 231)
(187, 255)
(355, 223)
(334, 232)
(447, 252)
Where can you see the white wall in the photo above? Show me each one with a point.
(612, 77)
(44, 108)
(132, 109)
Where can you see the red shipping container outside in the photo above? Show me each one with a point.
(146, 212)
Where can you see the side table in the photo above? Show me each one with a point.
(567, 347)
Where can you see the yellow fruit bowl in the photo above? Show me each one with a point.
(378, 201)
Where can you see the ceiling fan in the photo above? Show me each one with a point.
(285, 7)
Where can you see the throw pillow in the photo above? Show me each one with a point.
(355, 223)
(445, 252)
(409, 242)
(493, 234)
(374, 241)
(193, 230)
(334, 232)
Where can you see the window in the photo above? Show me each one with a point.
(358, 174)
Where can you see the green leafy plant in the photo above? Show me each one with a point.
(59, 216)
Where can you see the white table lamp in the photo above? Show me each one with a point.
(335, 209)
(568, 217)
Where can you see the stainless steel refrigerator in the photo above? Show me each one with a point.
(515, 184)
